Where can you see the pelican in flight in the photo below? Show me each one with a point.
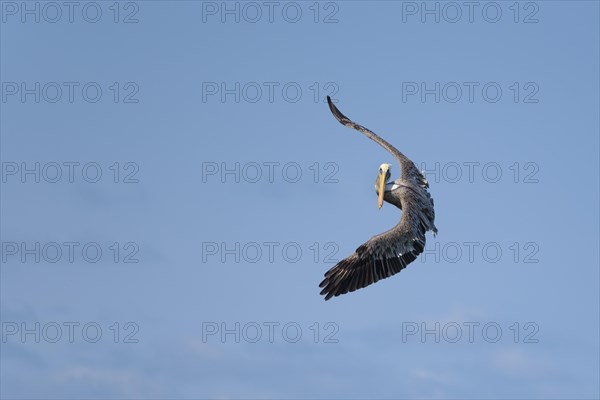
(388, 253)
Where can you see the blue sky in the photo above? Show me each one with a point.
(190, 144)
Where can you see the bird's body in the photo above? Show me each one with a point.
(387, 253)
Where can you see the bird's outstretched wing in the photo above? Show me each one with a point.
(408, 169)
(383, 255)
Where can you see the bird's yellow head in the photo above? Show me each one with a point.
(382, 177)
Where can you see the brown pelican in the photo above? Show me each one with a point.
(388, 253)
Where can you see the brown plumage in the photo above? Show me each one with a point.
(388, 253)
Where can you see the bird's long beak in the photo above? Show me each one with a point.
(381, 189)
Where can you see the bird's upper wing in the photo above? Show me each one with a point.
(383, 255)
(408, 169)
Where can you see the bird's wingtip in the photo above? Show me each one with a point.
(327, 290)
(336, 113)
